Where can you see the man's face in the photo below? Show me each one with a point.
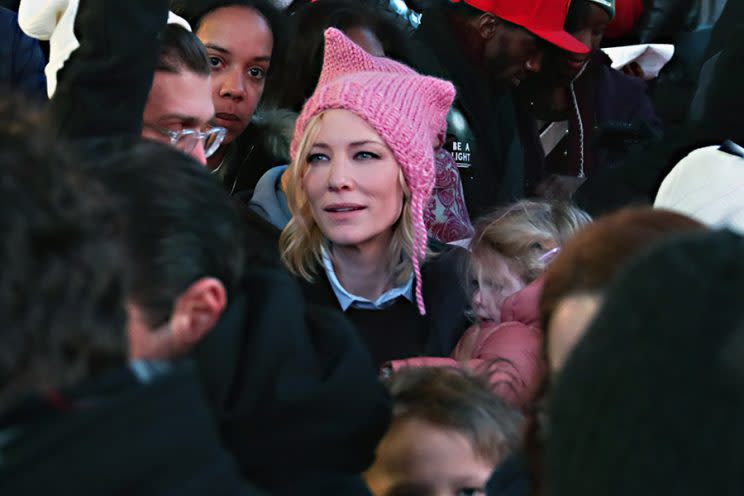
(511, 54)
(176, 102)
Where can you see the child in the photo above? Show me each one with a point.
(449, 432)
(509, 252)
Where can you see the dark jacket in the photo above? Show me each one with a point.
(398, 331)
(482, 134)
(117, 435)
(295, 394)
(616, 113)
(21, 59)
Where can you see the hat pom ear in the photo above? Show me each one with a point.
(442, 95)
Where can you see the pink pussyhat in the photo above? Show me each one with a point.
(406, 109)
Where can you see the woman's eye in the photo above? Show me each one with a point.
(366, 156)
(316, 157)
(215, 62)
(256, 73)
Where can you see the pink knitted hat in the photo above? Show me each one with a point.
(406, 109)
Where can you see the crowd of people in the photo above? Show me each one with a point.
(360, 247)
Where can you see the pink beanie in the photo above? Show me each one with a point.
(406, 109)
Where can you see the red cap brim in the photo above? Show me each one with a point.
(562, 40)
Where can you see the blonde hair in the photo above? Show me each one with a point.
(302, 242)
(526, 231)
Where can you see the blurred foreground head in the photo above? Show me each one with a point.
(576, 280)
(651, 400)
(62, 281)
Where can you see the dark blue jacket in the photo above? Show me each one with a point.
(21, 59)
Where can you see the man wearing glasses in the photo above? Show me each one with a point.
(179, 106)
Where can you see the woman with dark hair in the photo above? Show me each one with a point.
(241, 37)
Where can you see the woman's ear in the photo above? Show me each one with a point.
(196, 311)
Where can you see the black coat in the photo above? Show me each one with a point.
(117, 435)
(482, 126)
(21, 59)
(294, 392)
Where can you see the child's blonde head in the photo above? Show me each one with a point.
(526, 232)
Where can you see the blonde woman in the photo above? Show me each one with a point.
(362, 171)
(510, 251)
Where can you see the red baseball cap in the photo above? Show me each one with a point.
(543, 18)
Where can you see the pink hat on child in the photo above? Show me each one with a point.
(406, 109)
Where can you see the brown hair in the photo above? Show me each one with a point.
(590, 260)
(526, 231)
(456, 399)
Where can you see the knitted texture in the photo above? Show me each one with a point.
(406, 109)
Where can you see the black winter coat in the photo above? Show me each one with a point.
(116, 435)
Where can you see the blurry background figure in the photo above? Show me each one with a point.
(708, 185)
(650, 400)
(21, 59)
(449, 432)
(486, 49)
(715, 117)
(580, 116)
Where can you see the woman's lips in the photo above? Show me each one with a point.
(343, 211)
(230, 121)
(227, 117)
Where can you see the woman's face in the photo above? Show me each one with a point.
(352, 181)
(239, 42)
(496, 279)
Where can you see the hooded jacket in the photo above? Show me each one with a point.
(616, 113)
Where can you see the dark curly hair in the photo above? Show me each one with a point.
(62, 284)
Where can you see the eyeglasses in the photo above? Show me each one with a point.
(187, 139)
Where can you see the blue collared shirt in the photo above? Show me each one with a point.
(347, 300)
